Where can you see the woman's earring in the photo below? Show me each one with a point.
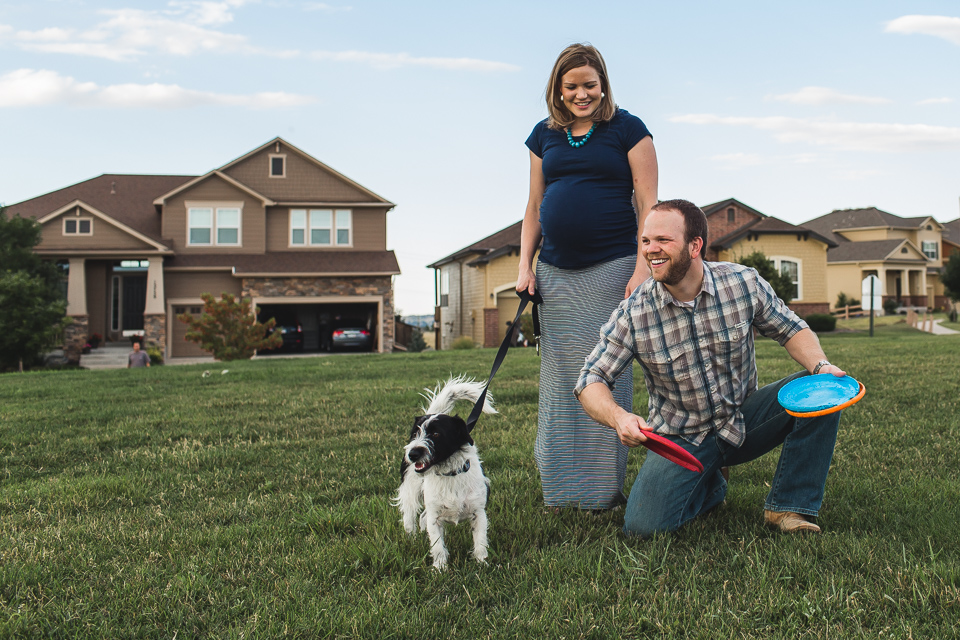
(561, 98)
(603, 95)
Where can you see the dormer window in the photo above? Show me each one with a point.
(731, 215)
(78, 226)
(278, 165)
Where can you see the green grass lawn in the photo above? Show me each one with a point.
(157, 503)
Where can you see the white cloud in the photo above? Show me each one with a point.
(32, 88)
(396, 60)
(935, 101)
(823, 95)
(946, 27)
(326, 8)
(852, 136)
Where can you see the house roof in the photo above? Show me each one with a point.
(292, 263)
(870, 250)
(951, 231)
(128, 199)
(870, 217)
(768, 225)
(717, 206)
(498, 243)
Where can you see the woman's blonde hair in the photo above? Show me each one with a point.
(573, 57)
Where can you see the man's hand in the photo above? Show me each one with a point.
(630, 428)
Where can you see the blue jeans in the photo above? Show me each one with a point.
(665, 495)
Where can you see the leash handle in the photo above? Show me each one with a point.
(525, 298)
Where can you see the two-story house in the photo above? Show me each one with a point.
(906, 254)
(276, 225)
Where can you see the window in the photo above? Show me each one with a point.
(931, 250)
(321, 227)
(790, 269)
(209, 226)
(444, 288)
(278, 166)
(731, 215)
(78, 226)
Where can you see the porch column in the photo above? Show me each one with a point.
(155, 312)
(75, 334)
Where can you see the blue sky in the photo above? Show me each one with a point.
(795, 109)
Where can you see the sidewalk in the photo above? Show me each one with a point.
(937, 330)
(113, 355)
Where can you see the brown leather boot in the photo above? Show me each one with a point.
(789, 522)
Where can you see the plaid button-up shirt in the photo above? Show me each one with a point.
(698, 362)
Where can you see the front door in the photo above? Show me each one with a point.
(134, 301)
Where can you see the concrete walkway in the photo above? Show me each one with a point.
(937, 330)
(113, 355)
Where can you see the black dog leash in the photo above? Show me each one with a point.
(525, 298)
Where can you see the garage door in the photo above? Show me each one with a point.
(180, 348)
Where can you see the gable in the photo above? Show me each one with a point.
(305, 179)
(81, 227)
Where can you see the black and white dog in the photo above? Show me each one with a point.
(441, 473)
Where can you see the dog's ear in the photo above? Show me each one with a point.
(461, 426)
(403, 468)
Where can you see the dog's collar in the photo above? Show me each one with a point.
(463, 469)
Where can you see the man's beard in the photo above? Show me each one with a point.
(677, 269)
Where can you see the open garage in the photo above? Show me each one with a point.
(319, 323)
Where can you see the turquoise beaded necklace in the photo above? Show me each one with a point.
(585, 138)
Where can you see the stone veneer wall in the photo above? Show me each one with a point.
(75, 338)
(306, 287)
(155, 331)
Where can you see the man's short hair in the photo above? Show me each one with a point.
(695, 222)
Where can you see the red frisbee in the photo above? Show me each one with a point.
(672, 452)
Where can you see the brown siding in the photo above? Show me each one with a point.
(369, 231)
(215, 189)
(304, 181)
(105, 236)
(190, 284)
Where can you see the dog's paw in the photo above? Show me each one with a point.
(481, 556)
(439, 566)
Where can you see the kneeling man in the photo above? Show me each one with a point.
(690, 326)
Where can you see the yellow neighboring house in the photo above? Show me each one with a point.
(906, 254)
(736, 230)
(476, 289)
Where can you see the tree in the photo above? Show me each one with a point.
(229, 328)
(32, 305)
(417, 343)
(781, 284)
(951, 276)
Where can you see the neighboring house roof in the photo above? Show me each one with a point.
(125, 198)
(496, 244)
(717, 206)
(951, 231)
(299, 263)
(766, 225)
(870, 217)
(871, 250)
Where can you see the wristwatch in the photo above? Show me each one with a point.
(819, 366)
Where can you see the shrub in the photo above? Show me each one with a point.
(463, 342)
(417, 343)
(156, 355)
(229, 328)
(821, 322)
(844, 300)
(526, 327)
(890, 306)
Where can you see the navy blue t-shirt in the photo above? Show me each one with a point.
(587, 215)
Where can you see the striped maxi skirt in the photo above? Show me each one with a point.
(582, 463)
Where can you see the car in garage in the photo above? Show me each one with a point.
(349, 336)
(292, 334)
